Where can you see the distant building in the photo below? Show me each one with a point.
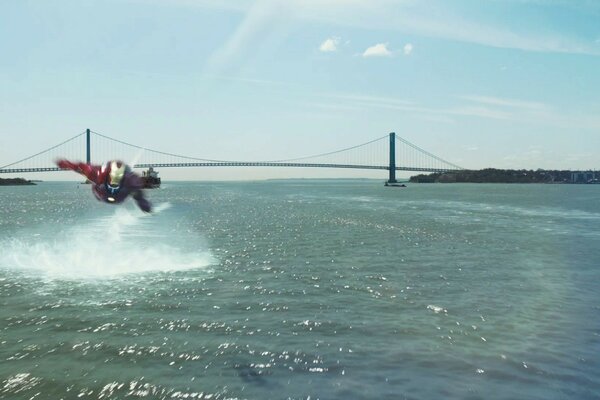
(585, 177)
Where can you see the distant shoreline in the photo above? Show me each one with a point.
(492, 175)
(15, 182)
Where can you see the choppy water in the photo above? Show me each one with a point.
(301, 289)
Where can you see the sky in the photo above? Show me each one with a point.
(480, 83)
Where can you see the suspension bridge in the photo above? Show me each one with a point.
(389, 152)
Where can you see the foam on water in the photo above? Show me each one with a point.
(126, 242)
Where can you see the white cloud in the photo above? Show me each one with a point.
(379, 50)
(408, 48)
(329, 45)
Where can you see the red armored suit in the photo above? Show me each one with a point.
(112, 182)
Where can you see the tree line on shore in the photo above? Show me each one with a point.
(15, 181)
(493, 175)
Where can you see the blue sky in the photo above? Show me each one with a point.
(506, 84)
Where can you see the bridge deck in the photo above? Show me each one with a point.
(241, 164)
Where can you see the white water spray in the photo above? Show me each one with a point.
(126, 242)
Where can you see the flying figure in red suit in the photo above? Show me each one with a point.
(112, 182)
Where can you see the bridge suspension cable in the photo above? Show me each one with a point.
(368, 155)
(44, 151)
(425, 152)
(331, 152)
(97, 147)
(155, 151)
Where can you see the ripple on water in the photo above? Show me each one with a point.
(369, 295)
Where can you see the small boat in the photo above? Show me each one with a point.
(395, 184)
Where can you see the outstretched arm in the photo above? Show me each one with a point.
(89, 171)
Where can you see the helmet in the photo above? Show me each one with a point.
(115, 171)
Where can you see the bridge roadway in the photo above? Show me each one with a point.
(243, 164)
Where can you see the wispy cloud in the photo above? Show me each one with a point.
(477, 106)
(531, 157)
(408, 48)
(329, 45)
(390, 101)
(434, 18)
(247, 80)
(264, 19)
(480, 112)
(503, 102)
(526, 111)
(416, 108)
(334, 107)
(378, 50)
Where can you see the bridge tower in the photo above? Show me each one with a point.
(87, 146)
(392, 166)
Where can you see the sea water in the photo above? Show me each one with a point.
(301, 289)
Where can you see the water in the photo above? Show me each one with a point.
(298, 289)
